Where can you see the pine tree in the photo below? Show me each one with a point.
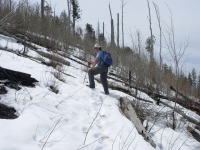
(64, 20)
(198, 87)
(190, 79)
(194, 77)
(89, 32)
(101, 38)
(76, 12)
(150, 41)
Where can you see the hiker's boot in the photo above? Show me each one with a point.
(107, 93)
(90, 86)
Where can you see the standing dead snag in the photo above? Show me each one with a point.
(132, 116)
(123, 4)
(42, 9)
(117, 30)
(112, 28)
(151, 37)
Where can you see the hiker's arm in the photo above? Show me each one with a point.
(95, 62)
(90, 61)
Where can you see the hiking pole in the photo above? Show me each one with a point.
(86, 71)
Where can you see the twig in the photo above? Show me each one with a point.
(67, 97)
(5, 16)
(183, 142)
(116, 137)
(28, 94)
(51, 133)
(161, 138)
(55, 140)
(36, 131)
(46, 93)
(86, 72)
(90, 143)
(93, 122)
(131, 142)
(126, 139)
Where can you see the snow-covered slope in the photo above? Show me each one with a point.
(75, 118)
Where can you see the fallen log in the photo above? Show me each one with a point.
(125, 90)
(129, 112)
(17, 77)
(130, 92)
(54, 58)
(183, 114)
(182, 95)
(18, 39)
(195, 135)
(152, 94)
(187, 102)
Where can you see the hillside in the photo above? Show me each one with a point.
(65, 114)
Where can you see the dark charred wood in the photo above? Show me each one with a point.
(7, 112)
(12, 85)
(17, 77)
(3, 90)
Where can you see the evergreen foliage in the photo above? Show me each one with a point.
(149, 43)
(194, 77)
(76, 12)
(25, 19)
(89, 32)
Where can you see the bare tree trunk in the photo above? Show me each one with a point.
(69, 13)
(10, 5)
(123, 4)
(176, 57)
(98, 32)
(159, 24)
(112, 28)
(74, 26)
(160, 29)
(139, 44)
(42, 9)
(103, 30)
(117, 30)
(54, 13)
(151, 43)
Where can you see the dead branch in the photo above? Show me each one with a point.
(93, 121)
(51, 132)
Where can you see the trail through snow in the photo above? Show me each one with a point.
(61, 121)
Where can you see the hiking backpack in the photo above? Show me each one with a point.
(107, 59)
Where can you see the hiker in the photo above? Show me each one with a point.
(101, 69)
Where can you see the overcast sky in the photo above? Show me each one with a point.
(185, 14)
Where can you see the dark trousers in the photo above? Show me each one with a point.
(103, 71)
